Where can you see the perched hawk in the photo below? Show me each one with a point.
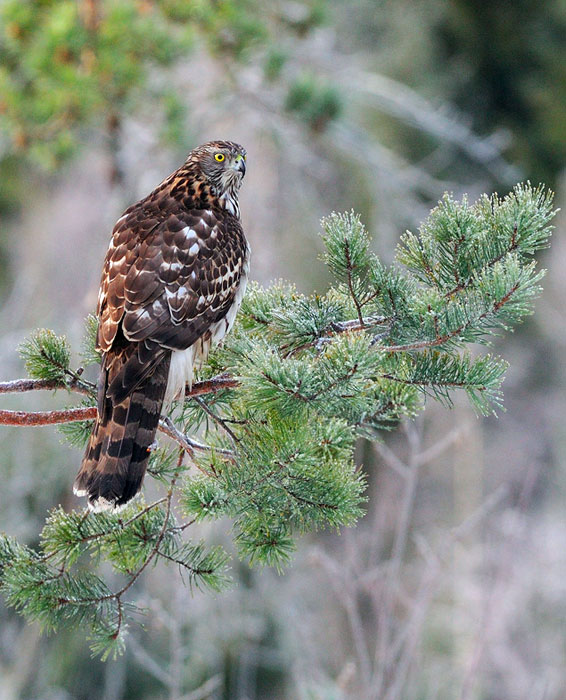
(173, 280)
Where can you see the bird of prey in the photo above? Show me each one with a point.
(172, 282)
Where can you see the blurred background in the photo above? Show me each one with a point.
(454, 583)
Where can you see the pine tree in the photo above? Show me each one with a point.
(281, 404)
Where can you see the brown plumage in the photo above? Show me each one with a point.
(173, 279)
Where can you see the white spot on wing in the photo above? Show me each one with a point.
(190, 235)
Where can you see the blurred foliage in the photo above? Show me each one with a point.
(72, 72)
(69, 64)
(66, 65)
(512, 72)
(317, 103)
(502, 65)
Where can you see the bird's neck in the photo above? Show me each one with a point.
(187, 187)
(229, 201)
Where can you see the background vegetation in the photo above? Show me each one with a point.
(452, 586)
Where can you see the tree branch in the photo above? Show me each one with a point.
(211, 386)
(207, 386)
(217, 419)
(441, 339)
(29, 418)
(21, 385)
(350, 269)
(70, 415)
(167, 426)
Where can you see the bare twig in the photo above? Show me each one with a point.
(206, 689)
(167, 426)
(216, 418)
(387, 454)
(383, 646)
(148, 663)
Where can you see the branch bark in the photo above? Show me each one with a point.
(29, 418)
(207, 386)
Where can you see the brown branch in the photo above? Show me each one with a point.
(514, 244)
(217, 419)
(21, 385)
(440, 340)
(23, 418)
(70, 415)
(27, 418)
(207, 386)
(210, 386)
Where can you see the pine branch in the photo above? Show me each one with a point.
(349, 271)
(293, 386)
(217, 419)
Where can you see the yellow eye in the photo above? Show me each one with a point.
(219, 157)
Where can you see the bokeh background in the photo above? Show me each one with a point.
(454, 583)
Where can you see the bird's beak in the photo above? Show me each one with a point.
(239, 164)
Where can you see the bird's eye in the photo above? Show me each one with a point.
(219, 157)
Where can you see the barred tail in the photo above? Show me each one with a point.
(117, 453)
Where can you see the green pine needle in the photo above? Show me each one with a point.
(46, 355)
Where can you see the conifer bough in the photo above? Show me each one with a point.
(281, 404)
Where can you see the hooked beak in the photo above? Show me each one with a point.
(239, 164)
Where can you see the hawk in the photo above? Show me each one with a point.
(172, 282)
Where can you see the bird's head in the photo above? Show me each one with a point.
(223, 164)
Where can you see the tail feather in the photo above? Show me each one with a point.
(117, 453)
